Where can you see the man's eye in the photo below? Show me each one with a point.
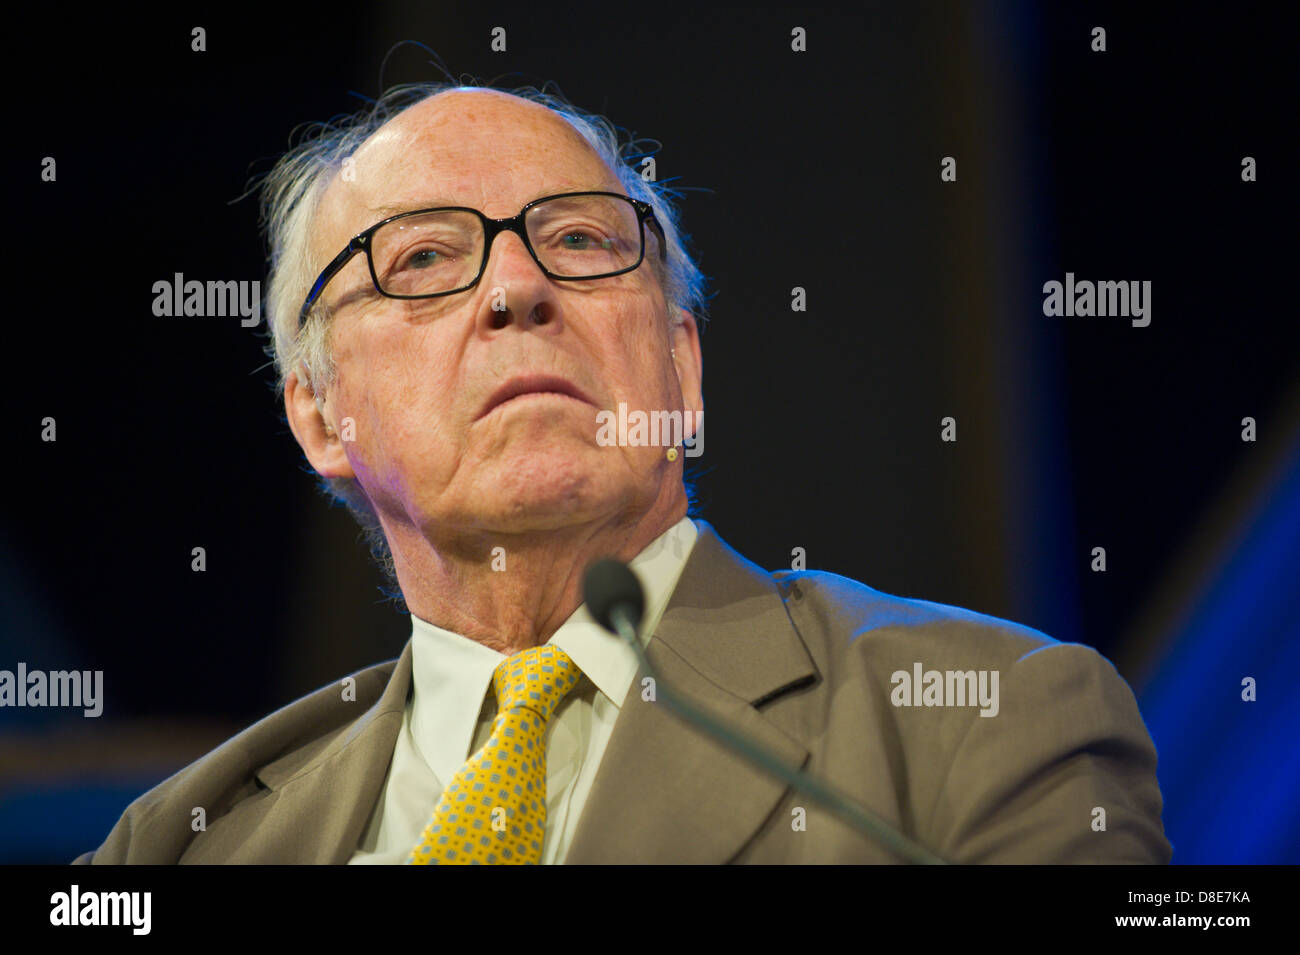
(582, 242)
(423, 259)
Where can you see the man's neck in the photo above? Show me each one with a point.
(513, 591)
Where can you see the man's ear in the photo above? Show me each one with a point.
(685, 341)
(318, 436)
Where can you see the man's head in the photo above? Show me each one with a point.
(394, 401)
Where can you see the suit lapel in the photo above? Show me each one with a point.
(291, 823)
(665, 791)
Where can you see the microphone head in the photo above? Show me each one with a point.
(607, 584)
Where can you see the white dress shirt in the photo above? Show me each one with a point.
(449, 716)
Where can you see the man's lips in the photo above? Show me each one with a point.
(530, 385)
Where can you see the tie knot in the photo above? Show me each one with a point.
(536, 679)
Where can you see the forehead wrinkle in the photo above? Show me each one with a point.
(522, 136)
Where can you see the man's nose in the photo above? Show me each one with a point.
(517, 288)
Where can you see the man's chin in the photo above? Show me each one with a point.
(546, 490)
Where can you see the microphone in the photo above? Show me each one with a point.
(613, 596)
(616, 601)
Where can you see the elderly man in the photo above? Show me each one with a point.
(503, 280)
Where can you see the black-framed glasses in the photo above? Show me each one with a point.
(427, 253)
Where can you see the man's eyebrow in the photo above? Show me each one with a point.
(387, 210)
(393, 209)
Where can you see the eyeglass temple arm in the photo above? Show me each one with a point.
(659, 231)
(355, 245)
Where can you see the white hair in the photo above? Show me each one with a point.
(290, 197)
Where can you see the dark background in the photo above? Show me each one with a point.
(817, 169)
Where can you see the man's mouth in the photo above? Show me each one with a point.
(522, 385)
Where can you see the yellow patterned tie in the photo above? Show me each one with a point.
(494, 808)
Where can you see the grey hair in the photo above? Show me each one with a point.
(290, 197)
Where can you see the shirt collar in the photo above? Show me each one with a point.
(452, 674)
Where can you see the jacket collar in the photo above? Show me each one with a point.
(345, 775)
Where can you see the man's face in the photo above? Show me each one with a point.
(418, 377)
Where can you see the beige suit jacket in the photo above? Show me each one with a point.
(801, 661)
